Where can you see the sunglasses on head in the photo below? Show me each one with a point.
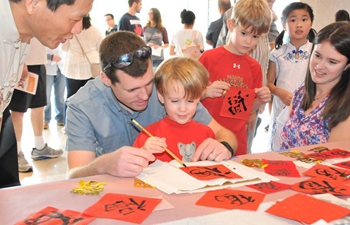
(127, 59)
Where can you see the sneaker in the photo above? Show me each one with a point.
(46, 153)
(60, 124)
(46, 125)
(23, 165)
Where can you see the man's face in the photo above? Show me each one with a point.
(109, 21)
(139, 6)
(52, 28)
(134, 92)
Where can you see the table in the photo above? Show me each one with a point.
(17, 203)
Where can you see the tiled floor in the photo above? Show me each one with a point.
(56, 169)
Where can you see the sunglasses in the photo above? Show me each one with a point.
(127, 59)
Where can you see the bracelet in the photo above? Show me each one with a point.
(229, 148)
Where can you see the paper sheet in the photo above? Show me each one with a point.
(245, 217)
(157, 51)
(169, 179)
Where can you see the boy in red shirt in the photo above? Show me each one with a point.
(180, 82)
(231, 66)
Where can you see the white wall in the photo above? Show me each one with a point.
(324, 10)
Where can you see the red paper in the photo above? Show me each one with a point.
(232, 199)
(316, 185)
(306, 209)
(327, 172)
(345, 165)
(210, 172)
(269, 187)
(238, 103)
(53, 216)
(128, 208)
(281, 168)
(330, 154)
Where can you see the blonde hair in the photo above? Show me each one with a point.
(190, 73)
(252, 13)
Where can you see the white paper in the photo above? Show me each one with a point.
(157, 51)
(246, 217)
(169, 179)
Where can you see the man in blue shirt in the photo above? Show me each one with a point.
(99, 127)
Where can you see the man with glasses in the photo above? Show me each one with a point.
(111, 26)
(99, 127)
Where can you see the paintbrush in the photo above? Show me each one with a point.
(150, 135)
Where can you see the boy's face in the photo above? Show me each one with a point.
(242, 40)
(178, 108)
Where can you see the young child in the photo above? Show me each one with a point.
(288, 64)
(180, 82)
(230, 65)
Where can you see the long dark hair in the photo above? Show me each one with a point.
(337, 107)
(157, 18)
(285, 13)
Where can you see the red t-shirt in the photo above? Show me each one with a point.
(239, 71)
(185, 136)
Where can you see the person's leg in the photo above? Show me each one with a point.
(49, 84)
(37, 104)
(8, 153)
(251, 135)
(59, 86)
(18, 106)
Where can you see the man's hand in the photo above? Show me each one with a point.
(127, 161)
(212, 150)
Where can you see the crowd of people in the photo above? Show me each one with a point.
(180, 100)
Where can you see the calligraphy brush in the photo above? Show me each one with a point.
(150, 135)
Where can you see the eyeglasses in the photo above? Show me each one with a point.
(127, 59)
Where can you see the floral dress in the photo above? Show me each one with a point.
(301, 130)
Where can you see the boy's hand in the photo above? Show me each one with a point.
(216, 89)
(264, 94)
(155, 145)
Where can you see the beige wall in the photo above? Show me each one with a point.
(324, 10)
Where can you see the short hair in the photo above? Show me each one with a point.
(189, 72)
(117, 44)
(53, 5)
(342, 15)
(337, 107)
(224, 4)
(111, 15)
(86, 22)
(252, 13)
(187, 17)
(132, 2)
